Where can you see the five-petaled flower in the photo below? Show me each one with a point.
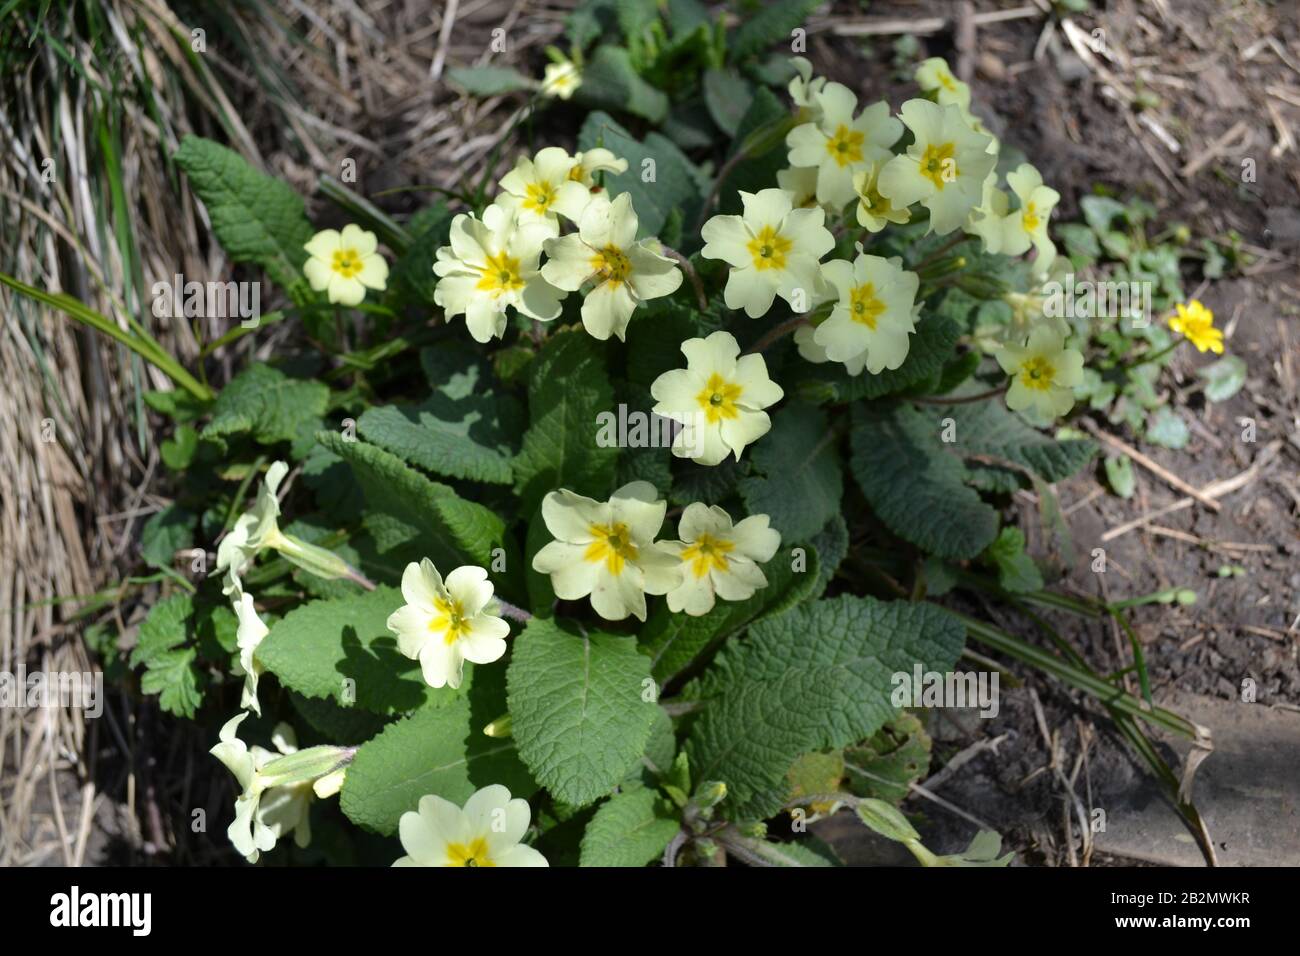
(1043, 373)
(607, 549)
(838, 145)
(1196, 323)
(934, 76)
(719, 559)
(445, 623)
(345, 264)
(487, 832)
(773, 249)
(605, 252)
(539, 188)
(491, 265)
(719, 399)
(1028, 224)
(560, 80)
(943, 169)
(875, 313)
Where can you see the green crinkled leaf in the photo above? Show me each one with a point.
(442, 752)
(1017, 572)
(832, 544)
(670, 182)
(263, 402)
(895, 757)
(412, 274)
(674, 640)
(569, 387)
(817, 677)
(801, 484)
(489, 80)
(343, 726)
(930, 349)
(167, 532)
(610, 81)
(728, 96)
(578, 709)
(632, 828)
(756, 171)
(990, 428)
(914, 486)
(771, 24)
(257, 218)
(591, 19)
(405, 509)
(168, 655)
(334, 648)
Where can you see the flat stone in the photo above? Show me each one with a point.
(1247, 791)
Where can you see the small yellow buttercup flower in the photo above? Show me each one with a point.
(345, 264)
(606, 549)
(487, 832)
(1196, 323)
(446, 623)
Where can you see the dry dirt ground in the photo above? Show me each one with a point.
(1212, 66)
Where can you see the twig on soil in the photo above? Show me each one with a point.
(1214, 150)
(1151, 465)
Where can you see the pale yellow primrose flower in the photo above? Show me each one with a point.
(1043, 373)
(345, 264)
(446, 623)
(1028, 224)
(561, 79)
(874, 210)
(248, 635)
(490, 266)
(934, 76)
(264, 811)
(805, 87)
(874, 314)
(719, 560)
(486, 833)
(987, 219)
(801, 183)
(773, 249)
(838, 145)
(539, 188)
(607, 549)
(256, 529)
(605, 251)
(944, 169)
(719, 397)
(591, 161)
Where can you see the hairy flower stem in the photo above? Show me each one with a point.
(517, 613)
(962, 399)
(777, 332)
(701, 299)
(1146, 359)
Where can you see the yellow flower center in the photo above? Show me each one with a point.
(613, 545)
(538, 197)
(500, 274)
(707, 553)
(475, 853)
(769, 249)
(1030, 217)
(347, 262)
(611, 265)
(845, 146)
(575, 174)
(864, 307)
(448, 620)
(718, 399)
(939, 164)
(1037, 373)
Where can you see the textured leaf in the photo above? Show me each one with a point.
(577, 707)
(442, 752)
(321, 646)
(489, 80)
(674, 640)
(758, 170)
(168, 655)
(610, 81)
(569, 387)
(263, 402)
(801, 482)
(407, 509)
(771, 24)
(914, 486)
(674, 181)
(167, 532)
(1168, 430)
(727, 96)
(460, 431)
(1017, 572)
(257, 218)
(896, 756)
(412, 274)
(591, 19)
(632, 828)
(817, 677)
(832, 544)
(990, 428)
